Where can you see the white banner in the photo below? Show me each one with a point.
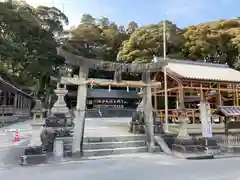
(205, 115)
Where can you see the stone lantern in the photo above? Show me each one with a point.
(60, 105)
(38, 111)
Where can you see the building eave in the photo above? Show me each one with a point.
(203, 72)
(7, 85)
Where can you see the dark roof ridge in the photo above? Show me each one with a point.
(14, 87)
(178, 61)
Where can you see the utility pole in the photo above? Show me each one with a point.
(165, 77)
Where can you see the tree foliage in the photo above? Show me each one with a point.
(216, 41)
(29, 38)
(147, 41)
(28, 42)
(96, 38)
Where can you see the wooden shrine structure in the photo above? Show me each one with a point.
(14, 103)
(231, 118)
(104, 101)
(186, 80)
(188, 83)
(103, 97)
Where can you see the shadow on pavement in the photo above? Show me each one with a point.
(11, 155)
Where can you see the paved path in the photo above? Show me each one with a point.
(103, 127)
(94, 127)
(129, 167)
(10, 152)
(7, 133)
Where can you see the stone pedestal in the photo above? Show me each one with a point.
(183, 142)
(58, 149)
(36, 131)
(37, 125)
(183, 133)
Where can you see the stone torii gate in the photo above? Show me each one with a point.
(81, 80)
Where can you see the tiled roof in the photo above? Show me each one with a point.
(229, 110)
(203, 71)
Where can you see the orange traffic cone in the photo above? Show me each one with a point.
(16, 137)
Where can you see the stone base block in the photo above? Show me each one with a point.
(187, 145)
(33, 159)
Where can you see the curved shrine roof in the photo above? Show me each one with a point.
(202, 71)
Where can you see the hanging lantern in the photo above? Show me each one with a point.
(127, 89)
(109, 88)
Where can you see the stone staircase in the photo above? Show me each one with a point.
(103, 146)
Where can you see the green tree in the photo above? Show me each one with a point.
(147, 41)
(29, 41)
(113, 37)
(96, 38)
(132, 26)
(85, 39)
(216, 41)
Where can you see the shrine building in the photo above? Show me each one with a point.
(14, 103)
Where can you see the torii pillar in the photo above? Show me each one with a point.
(81, 107)
(147, 105)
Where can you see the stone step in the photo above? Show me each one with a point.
(116, 144)
(114, 151)
(113, 139)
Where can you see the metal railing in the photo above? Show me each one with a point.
(9, 110)
(230, 144)
(6, 110)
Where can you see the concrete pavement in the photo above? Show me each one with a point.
(10, 152)
(107, 127)
(129, 167)
(7, 133)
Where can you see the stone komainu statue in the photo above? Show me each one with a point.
(47, 137)
(55, 126)
(138, 122)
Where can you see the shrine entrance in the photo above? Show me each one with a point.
(102, 129)
(105, 102)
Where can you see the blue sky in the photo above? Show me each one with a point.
(181, 12)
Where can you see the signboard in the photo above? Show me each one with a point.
(205, 115)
